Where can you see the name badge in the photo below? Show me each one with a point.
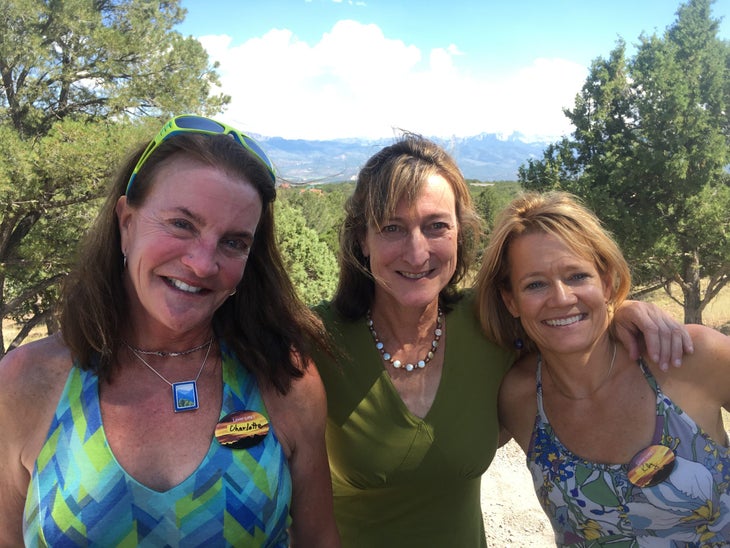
(651, 466)
(241, 429)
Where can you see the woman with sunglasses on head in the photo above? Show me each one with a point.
(412, 398)
(620, 454)
(178, 405)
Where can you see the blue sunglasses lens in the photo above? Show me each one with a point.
(205, 124)
(201, 124)
(254, 146)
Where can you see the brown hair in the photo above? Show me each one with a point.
(398, 172)
(263, 323)
(563, 216)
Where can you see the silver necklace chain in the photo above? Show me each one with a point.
(202, 365)
(166, 354)
(420, 364)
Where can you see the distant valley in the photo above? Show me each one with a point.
(485, 157)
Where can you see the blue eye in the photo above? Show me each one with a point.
(392, 232)
(580, 276)
(237, 245)
(437, 228)
(534, 285)
(182, 223)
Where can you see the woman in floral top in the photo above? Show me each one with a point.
(620, 454)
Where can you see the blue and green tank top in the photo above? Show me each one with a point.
(79, 495)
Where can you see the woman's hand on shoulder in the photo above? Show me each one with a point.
(299, 419)
(31, 380)
(665, 340)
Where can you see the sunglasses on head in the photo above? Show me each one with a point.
(188, 123)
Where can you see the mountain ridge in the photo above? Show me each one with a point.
(484, 157)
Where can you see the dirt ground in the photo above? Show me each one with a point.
(512, 515)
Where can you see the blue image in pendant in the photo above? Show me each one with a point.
(185, 396)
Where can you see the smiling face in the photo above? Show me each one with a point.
(559, 296)
(186, 246)
(413, 254)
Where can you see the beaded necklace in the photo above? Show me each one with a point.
(420, 364)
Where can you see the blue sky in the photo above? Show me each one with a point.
(323, 69)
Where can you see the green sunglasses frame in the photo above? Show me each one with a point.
(205, 126)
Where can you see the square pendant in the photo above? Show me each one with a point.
(185, 396)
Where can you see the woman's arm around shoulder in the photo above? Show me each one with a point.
(518, 401)
(300, 419)
(31, 380)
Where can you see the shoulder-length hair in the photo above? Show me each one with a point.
(558, 214)
(398, 172)
(264, 322)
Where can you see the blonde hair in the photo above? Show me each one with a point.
(398, 172)
(558, 214)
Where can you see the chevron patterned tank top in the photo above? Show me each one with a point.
(80, 496)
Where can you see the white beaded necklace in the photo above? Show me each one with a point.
(420, 364)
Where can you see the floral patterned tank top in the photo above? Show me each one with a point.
(592, 504)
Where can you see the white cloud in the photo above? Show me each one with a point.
(356, 82)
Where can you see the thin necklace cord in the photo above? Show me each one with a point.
(134, 351)
(578, 398)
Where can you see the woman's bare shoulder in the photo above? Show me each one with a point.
(708, 367)
(701, 386)
(37, 363)
(521, 376)
(710, 359)
(32, 377)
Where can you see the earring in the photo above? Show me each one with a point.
(519, 343)
(232, 293)
(124, 264)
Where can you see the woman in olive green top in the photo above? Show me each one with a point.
(412, 390)
(400, 479)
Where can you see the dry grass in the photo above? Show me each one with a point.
(10, 330)
(717, 313)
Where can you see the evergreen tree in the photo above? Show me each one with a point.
(311, 265)
(74, 76)
(649, 152)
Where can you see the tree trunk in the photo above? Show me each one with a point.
(692, 290)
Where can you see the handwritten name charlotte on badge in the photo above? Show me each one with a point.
(241, 429)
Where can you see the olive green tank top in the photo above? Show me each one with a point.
(400, 480)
